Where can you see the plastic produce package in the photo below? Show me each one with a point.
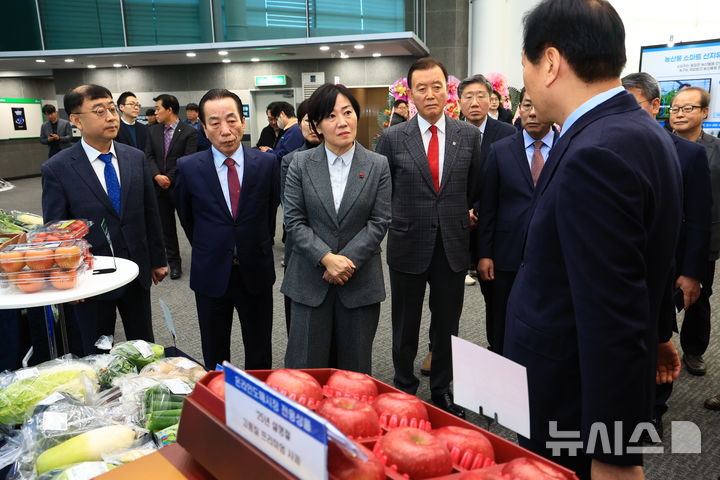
(163, 403)
(174, 367)
(80, 471)
(109, 367)
(23, 389)
(139, 352)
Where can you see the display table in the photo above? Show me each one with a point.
(169, 463)
(90, 285)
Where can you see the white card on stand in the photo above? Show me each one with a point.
(484, 379)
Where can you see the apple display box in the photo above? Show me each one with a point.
(228, 456)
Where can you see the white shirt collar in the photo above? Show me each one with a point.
(345, 157)
(589, 105)
(424, 124)
(92, 153)
(547, 139)
(126, 122)
(219, 157)
(483, 125)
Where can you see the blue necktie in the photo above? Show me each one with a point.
(111, 181)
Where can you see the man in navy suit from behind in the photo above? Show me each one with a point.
(99, 179)
(508, 182)
(225, 197)
(583, 311)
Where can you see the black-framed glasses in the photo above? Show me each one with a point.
(684, 108)
(101, 111)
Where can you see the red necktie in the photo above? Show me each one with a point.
(433, 155)
(233, 185)
(537, 163)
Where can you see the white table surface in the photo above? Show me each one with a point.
(90, 285)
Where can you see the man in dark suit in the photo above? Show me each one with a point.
(601, 234)
(693, 245)
(168, 140)
(131, 132)
(224, 199)
(510, 173)
(431, 158)
(98, 179)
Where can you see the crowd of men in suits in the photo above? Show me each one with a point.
(572, 230)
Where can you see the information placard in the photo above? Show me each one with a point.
(288, 433)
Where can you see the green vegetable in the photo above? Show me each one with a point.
(117, 367)
(161, 405)
(72, 377)
(8, 225)
(159, 420)
(88, 446)
(132, 351)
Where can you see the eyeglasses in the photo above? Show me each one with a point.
(684, 108)
(102, 111)
(470, 97)
(526, 107)
(132, 105)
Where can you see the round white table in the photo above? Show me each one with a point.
(90, 285)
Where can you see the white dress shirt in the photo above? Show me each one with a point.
(427, 135)
(339, 167)
(545, 149)
(98, 165)
(222, 171)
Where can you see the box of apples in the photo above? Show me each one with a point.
(33, 266)
(404, 437)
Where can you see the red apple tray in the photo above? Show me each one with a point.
(222, 452)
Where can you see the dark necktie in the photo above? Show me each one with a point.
(167, 138)
(433, 155)
(111, 181)
(537, 162)
(233, 185)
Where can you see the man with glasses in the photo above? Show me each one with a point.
(510, 173)
(131, 131)
(105, 181)
(688, 110)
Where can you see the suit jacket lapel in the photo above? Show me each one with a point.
(126, 173)
(250, 166)
(414, 145)
(518, 149)
(209, 173)
(319, 174)
(357, 178)
(81, 164)
(452, 139)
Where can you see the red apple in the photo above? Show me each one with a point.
(401, 409)
(344, 383)
(468, 448)
(342, 466)
(414, 452)
(297, 385)
(525, 468)
(480, 475)
(217, 385)
(354, 418)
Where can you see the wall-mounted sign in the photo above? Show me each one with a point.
(246, 110)
(19, 118)
(270, 80)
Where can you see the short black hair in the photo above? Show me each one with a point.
(322, 102)
(48, 109)
(522, 94)
(588, 33)
(399, 102)
(284, 107)
(123, 97)
(425, 63)
(475, 79)
(75, 97)
(303, 109)
(192, 106)
(169, 102)
(150, 112)
(217, 94)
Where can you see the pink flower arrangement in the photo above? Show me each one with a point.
(500, 84)
(399, 89)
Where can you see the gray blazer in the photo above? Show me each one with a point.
(64, 131)
(418, 210)
(712, 145)
(355, 231)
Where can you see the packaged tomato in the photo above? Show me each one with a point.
(41, 256)
(60, 230)
(30, 281)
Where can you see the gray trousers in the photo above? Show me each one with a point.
(316, 331)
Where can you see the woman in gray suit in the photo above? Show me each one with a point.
(337, 211)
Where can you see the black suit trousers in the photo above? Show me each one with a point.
(88, 320)
(501, 287)
(215, 315)
(166, 206)
(695, 331)
(446, 302)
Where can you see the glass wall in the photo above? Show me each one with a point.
(75, 24)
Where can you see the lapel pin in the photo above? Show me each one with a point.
(454, 143)
(362, 175)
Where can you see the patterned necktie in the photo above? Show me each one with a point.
(537, 162)
(166, 144)
(433, 155)
(111, 181)
(233, 185)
